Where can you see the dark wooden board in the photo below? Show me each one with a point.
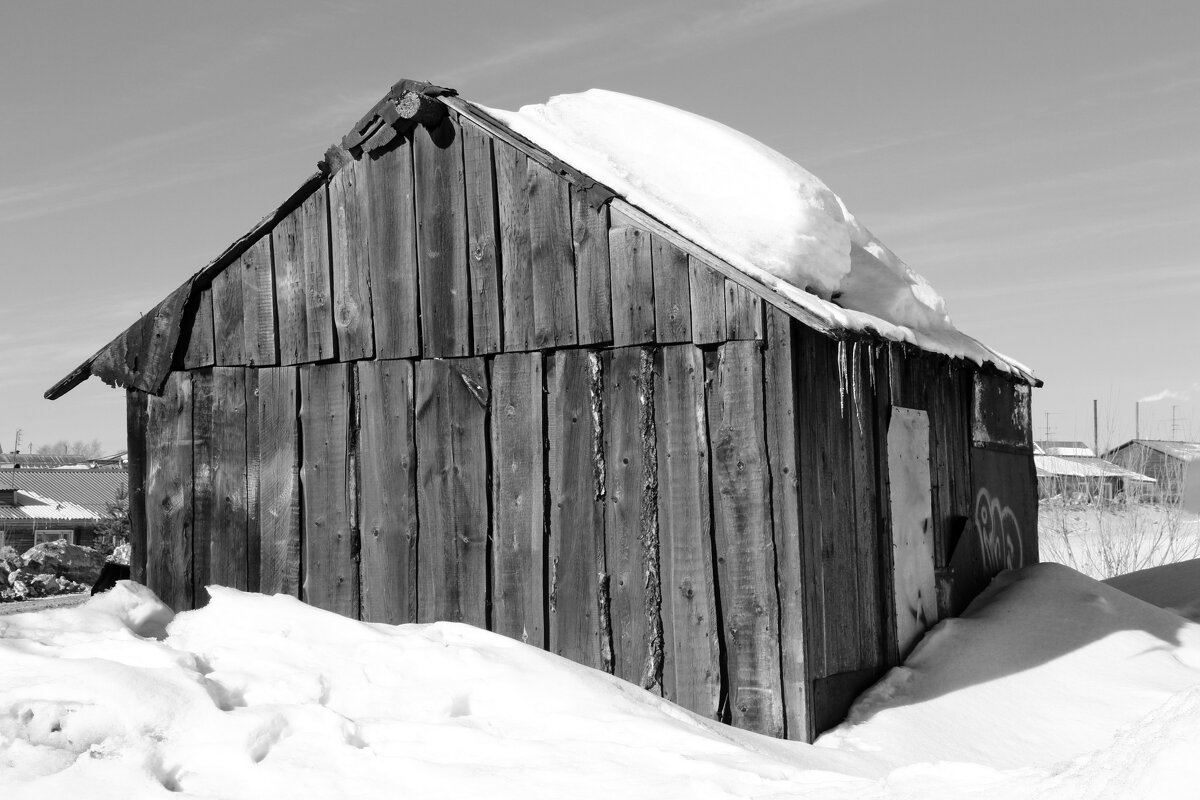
(672, 295)
(482, 238)
(393, 252)
(253, 468)
(742, 527)
(593, 291)
(576, 481)
(516, 254)
(229, 540)
(169, 492)
(623, 510)
(553, 257)
(452, 491)
(1000, 412)
(826, 491)
(229, 331)
(203, 495)
(350, 223)
(135, 428)
(442, 240)
(632, 286)
(781, 406)
(330, 571)
(258, 304)
(707, 289)
(278, 480)
(199, 350)
(691, 642)
(387, 459)
(869, 536)
(833, 695)
(518, 528)
(302, 283)
(743, 312)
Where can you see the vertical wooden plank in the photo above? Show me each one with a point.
(518, 536)
(707, 288)
(743, 532)
(912, 539)
(136, 433)
(229, 541)
(516, 255)
(481, 238)
(253, 464)
(388, 491)
(576, 484)
(302, 283)
(203, 494)
(672, 295)
(258, 304)
(780, 406)
(442, 240)
(349, 219)
(199, 349)
(278, 481)
(393, 252)
(593, 292)
(743, 312)
(826, 488)
(229, 333)
(692, 664)
(452, 490)
(330, 572)
(865, 506)
(883, 415)
(632, 286)
(622, 511)
(169, 492)
(553, 258)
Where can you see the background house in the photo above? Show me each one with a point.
(37, 504)
(1175, 466)
(1073, 471)
(453, 378)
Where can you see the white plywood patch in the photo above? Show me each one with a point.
(912, 525)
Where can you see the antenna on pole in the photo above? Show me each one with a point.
(17, 442)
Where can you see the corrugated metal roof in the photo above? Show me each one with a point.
(92, 489)
(38, 460)
(1060, 466)
(32, 506)
(1074, 449)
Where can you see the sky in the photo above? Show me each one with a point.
(1038, 161)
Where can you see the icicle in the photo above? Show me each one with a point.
(856, 386)
(842, 377)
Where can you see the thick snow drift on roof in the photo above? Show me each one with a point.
(751, 206)
(1052, 685)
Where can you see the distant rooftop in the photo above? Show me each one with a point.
(93, 489)
(1184, 451)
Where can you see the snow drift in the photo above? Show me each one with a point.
(749, 205)
(1051, 685)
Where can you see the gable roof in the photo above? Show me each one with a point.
(141, 357)
(1084, 467)
(1183, 451)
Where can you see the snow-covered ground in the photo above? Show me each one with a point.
(1104, 540)
(1052, 685)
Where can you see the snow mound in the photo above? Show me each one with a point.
(1169, 586)
(751, 206)
(1053, 685)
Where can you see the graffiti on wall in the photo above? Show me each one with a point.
(999, 533)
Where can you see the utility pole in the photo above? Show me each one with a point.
(1096, 427)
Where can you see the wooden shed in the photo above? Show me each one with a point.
(453, 378)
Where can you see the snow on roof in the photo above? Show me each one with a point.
(750, 206)
(32, 506)
(1084, 467)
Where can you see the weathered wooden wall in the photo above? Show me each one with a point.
(447, 387)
